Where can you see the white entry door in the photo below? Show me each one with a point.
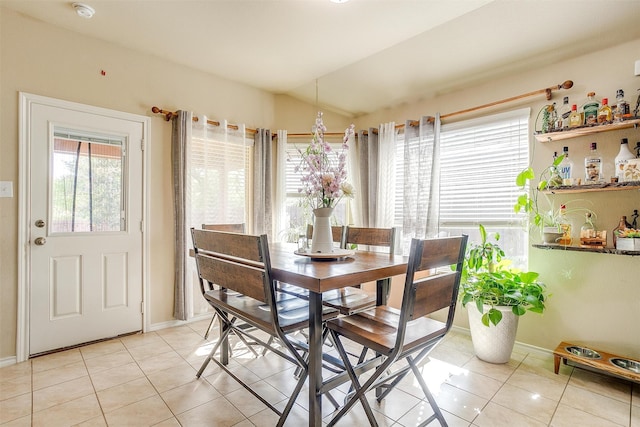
(85, 225)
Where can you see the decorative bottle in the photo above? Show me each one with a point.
(588, 230)
(590, 109)
(566, 168)
(622, 107)
(621, 159)
(593, 166)
(604, 112)
(563, 114)
(575, 119)
(565, 227)
(622, 225)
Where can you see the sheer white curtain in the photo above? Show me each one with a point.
(216, 186)
(280, 225)
(385, 192)
(421, 178)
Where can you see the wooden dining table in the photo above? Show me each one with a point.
(322, 275)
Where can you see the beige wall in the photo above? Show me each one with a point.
(592, 294)
(595, 297)
(49, 61)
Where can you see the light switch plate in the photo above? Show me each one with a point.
(6, 188)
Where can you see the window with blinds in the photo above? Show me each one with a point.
(480, 160)
(218, 172)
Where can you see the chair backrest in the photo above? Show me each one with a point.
(337, 233)
(438, 290)
(370, 236)
(237, 262)
(233, 228)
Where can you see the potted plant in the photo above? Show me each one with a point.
(552, 222)
(496, 295)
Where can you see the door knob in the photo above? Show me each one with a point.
(40, 241)
(39, 223)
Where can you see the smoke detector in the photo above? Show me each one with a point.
(83, 10)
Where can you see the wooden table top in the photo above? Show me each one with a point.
(323, 275)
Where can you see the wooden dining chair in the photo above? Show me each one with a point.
(233, 228)
(408, 333)
(240, 263)
(352, 299)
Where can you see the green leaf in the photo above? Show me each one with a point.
(521, 179)
(485, 319)
(558, 160)
(479, 305)
(518, 310)
(529, 277)
(495, 316)
(483, 233)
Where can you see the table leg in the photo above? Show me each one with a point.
(224, 345)
(315, 359)
(383, 286)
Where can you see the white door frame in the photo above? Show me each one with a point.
(24, 207)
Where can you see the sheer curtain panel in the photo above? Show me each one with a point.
(421, 179)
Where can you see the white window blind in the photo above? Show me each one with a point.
(218, 172)
(480, 160)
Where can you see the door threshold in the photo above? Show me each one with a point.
(84, 344)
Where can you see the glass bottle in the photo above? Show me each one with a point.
(593, 166)
(622, 107)
(566, 168)
(621, 159)
(563, 114)
(565, 227)
(622, 225)
(555, 179)
(588, 230)
(575, 119)
(590, 109)
(604, 112)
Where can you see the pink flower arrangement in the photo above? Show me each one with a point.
(324, 170)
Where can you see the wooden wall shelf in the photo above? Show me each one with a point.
(592, 250)
(603, 363)
(614, 186)
(586, 130)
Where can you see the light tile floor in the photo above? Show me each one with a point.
(149, 380)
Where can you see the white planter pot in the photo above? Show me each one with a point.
(494, 343)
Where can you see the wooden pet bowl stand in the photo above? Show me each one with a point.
(585, 356)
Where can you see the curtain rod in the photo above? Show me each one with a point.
(168, 115)
(568, 84)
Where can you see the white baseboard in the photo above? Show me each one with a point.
(174, 323)
(523, 347)
(8, 361)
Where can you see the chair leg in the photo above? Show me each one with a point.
(211, 355)
(213, 318)
(437, 414)
(359, 390)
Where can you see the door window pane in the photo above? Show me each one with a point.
(87, 193)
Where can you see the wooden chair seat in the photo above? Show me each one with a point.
(293, 313)
(377, 329)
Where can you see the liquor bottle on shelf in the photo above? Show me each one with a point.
(563, 114)
(622, 107)
(575, 119)
(604, 112)
(593, 166)
(565, 227)
(590, 109)
(622, 225)
(566, 168)
(621, 159)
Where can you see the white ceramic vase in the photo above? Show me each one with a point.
(322, 239)
(494, 343)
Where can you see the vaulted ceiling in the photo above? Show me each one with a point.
(356, 57)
